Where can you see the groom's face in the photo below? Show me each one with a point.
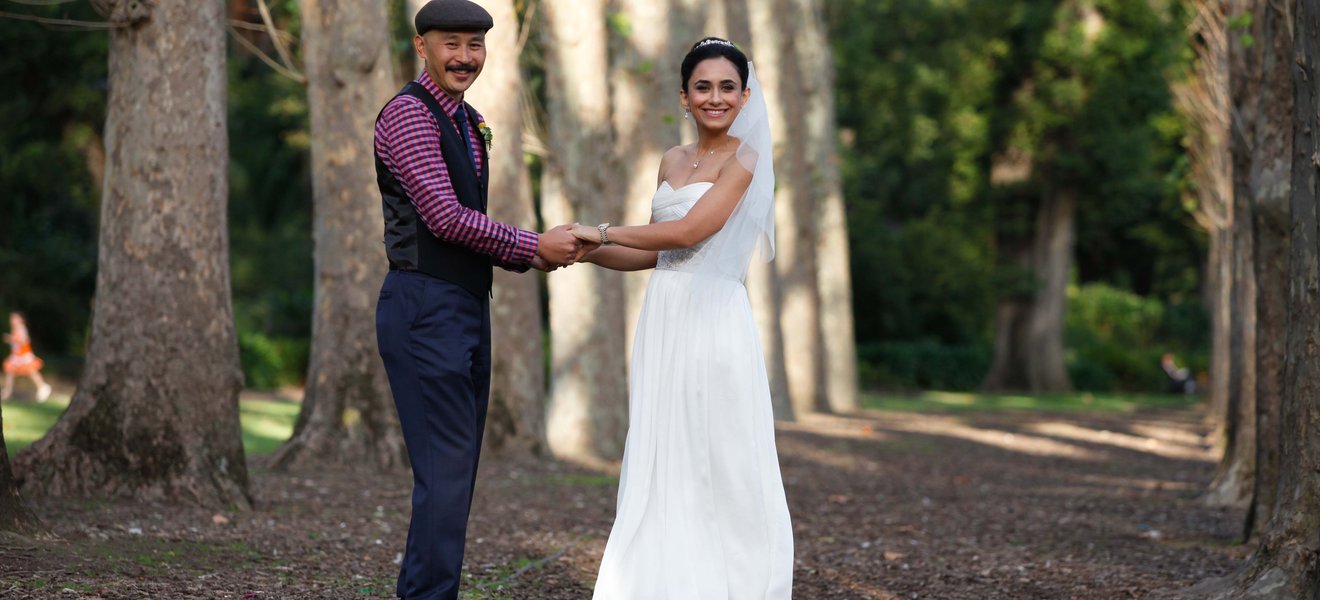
(453, 58)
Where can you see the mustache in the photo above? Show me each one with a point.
(463, 68)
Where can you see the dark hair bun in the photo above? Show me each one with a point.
(713, 47)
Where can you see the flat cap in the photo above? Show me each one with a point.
(452, 15)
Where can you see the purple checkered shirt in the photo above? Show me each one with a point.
(408, 142)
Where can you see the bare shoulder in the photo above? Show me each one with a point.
(672, 156)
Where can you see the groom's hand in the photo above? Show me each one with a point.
(539, 264)
(558, 246)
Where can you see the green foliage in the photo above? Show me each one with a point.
(262, 363)
(52, 118)
(932, 95)
(922, 365)
(1116, 338)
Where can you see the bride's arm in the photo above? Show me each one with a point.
(619, 258)
(706, 217)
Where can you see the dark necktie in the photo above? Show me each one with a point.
(463, 125)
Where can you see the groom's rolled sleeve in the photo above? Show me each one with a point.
(408, 141)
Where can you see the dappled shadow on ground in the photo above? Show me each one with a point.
(885, 505)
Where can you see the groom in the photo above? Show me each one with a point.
(433, 316)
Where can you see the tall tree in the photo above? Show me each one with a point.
(833, 277)
(1284, 564)
(773, 31)
(1040, 202)
(1271, 172)
(587, 417)
(1233, 482)
(347, 415)
(156, 411)
(516, 419)
(1203, 98)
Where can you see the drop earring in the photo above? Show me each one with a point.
(687, 114)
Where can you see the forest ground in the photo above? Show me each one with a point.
(944, 504)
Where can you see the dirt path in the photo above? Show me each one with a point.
(885, 506)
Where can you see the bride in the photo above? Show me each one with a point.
(701, 513)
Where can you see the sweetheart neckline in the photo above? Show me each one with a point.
(686, 185)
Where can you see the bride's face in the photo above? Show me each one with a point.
(714, 94)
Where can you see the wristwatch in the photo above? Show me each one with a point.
(603, 228)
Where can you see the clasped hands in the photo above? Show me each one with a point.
(564, 245)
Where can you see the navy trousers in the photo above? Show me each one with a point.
(435, 340)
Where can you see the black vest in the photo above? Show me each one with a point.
(409, 244)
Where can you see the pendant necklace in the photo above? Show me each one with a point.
(697, 162)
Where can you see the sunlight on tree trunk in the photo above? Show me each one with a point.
(588, 414)
(773, 43)
(1234, 480)
(516, 421)
(833, 279)
(155, 416)
(348, 415)
(1203, 99)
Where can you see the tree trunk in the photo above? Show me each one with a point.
(516, 420)
(1028, 348)
(156, 412)
(1284, 565)
(1234, 480)
(587, 417)
(1204, 101)
(644, 82)
(1270, 187)
(14, 515)
(410, 13)
(773, 41)
(347, 416)
(1219, 301)
(833, 279)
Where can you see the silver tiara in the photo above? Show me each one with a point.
(721, 42)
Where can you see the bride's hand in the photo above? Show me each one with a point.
(586, 233)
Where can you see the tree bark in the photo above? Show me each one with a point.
(14, 515)
(1270, 187)
(156, 412)
(1028, 348)
(773, 40)
(1234, 480)
(1284, 565)
(516, 419)
(587, 418)
(1204, 100)
(833, 278)
(348, 415)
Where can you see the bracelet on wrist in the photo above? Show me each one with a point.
(603, 228)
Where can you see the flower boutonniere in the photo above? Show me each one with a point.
(486, 134)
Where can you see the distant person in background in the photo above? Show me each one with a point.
(1180, 379)
(21, 361)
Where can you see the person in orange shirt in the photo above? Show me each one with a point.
(21, 361)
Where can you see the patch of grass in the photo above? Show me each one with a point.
(1075, 402)
(266, 423)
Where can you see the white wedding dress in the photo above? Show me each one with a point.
(701, 507)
